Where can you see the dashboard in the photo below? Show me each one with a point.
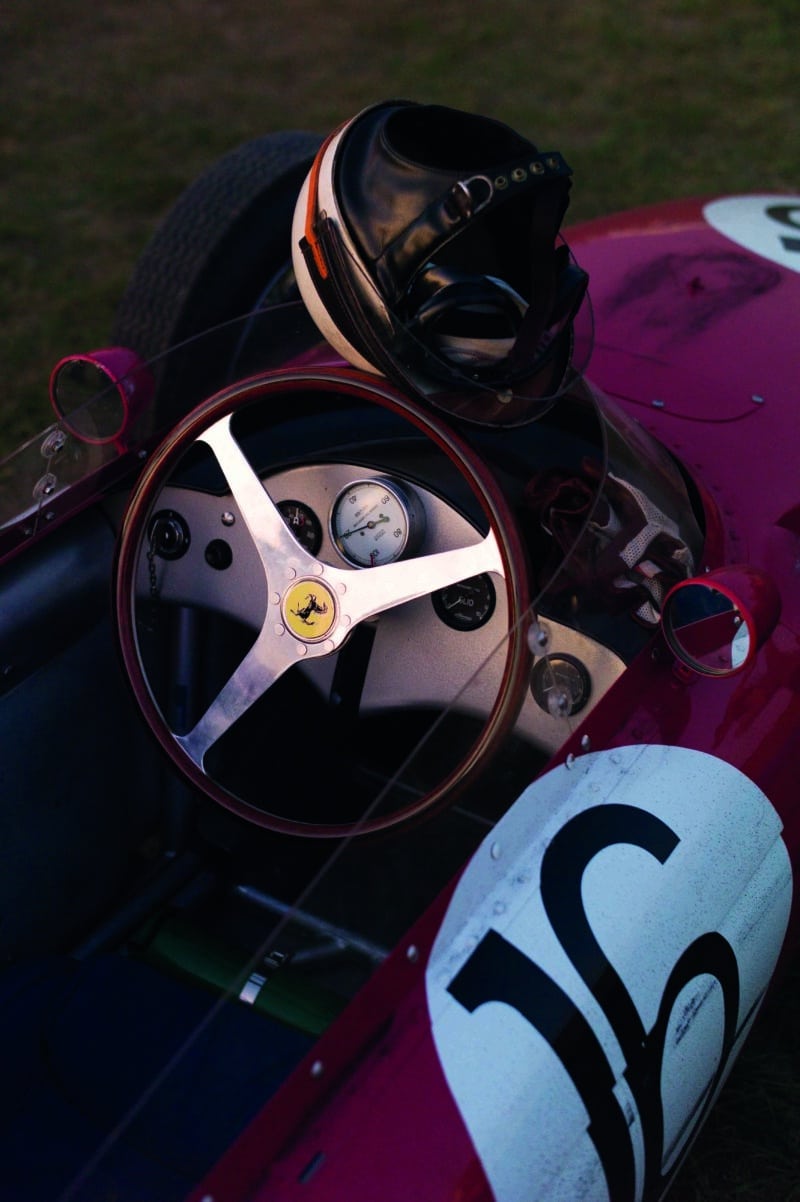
(439, 650)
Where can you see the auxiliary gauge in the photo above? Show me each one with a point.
(376, 521)
(303, 523)
(467, 605)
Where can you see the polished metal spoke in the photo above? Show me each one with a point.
(269, 657)
(275, 543)
(359, 593)
(372, 590)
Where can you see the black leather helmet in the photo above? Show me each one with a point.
(426, 248)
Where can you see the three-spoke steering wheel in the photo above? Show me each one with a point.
(312, 607)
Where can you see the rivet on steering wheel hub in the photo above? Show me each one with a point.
(309, 610)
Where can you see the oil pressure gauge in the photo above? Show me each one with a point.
(376, 521)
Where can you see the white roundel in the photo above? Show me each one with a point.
(599, 965)
(767, 225)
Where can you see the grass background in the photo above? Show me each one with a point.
(107, 112)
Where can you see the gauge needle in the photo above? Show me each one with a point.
(367, 525)
(470, 590)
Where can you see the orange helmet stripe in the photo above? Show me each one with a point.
(312, 204)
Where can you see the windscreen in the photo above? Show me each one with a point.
(527, 572)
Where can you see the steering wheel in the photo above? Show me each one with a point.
(307, 609)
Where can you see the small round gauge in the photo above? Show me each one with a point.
(560, 684)
(303, 523)
(376, 521)
(467, 605)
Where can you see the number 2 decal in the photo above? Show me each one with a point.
(600, 962)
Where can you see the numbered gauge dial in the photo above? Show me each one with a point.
(467, 605)
(303, 523)
(376, 521)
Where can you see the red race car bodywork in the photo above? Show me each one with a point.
(557, 1012)
(504, 1052)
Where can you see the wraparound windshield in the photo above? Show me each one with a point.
(607, 525)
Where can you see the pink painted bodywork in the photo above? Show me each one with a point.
(715, 378)
(697, 339)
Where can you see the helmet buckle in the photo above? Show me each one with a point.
(467, 198)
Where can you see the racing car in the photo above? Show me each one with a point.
(400, 637)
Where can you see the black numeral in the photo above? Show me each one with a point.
(498, 971)
(787, 215)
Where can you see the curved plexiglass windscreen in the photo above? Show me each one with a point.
(604, 528)
(268, 513)
(100, 433)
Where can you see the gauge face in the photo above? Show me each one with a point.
(466, 605)
(375, 521)
(303, 523)
(560, 684)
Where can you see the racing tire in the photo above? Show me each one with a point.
(223, 246)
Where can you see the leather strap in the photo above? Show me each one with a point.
(458, 206)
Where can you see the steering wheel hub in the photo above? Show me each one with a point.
(310, 610)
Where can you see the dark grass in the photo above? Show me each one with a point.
(107, 112)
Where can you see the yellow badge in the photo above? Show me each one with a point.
(309, 610)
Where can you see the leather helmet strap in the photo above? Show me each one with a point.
(453, 210)
(546, 221)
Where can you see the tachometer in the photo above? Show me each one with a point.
(376, 521)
